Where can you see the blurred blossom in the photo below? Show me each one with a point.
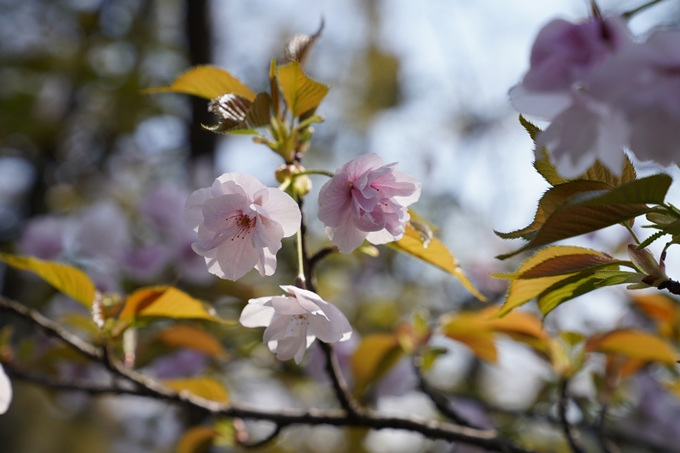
(163, 208)
(603, 92)
(146, 262)
(5, 391)
(564, 53)
(43, 237)
(182, 363)
(366, 200)
(101, 233)
(293, 323)
(240, 223)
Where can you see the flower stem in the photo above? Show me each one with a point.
(300, 281)
(632, 233)
(330, 174)
(628, 14)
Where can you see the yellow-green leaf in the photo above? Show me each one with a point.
(374, 357)
(634, 344)
(166, 302)
(433, 251)
(67, 279)
(205, 387)
(591, 211)
(300, 92)
(206, 82)
(193, 338)
(198, 439)
(567, 289)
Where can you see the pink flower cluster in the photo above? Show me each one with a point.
(366, 200)
(602, 92)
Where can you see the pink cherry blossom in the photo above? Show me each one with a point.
(366, 200)
(564, 53)
(5, 391)
(293, 322)
(240, 223)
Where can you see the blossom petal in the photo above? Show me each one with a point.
(335, 200)
(381, 237)
(236, 257)
(282, 209)
(266, 264)
(308, 300)
(346, 236)
(288, 306)
(332, 327)
(5, 391)
(278, 328)
(193, 208)
(537, 103)
(356, 167)
(218, 211)
(293, 346)
(258, 313)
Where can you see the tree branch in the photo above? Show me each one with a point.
(441, 402)
(342, 392)
(605, 443)
(147, 387)
(570, 431)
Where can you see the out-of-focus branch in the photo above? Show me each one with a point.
(321, 254)
(148, 387)
(342, 392)
(265, 440)
(605, 443)
(441, 402)
(570, 431)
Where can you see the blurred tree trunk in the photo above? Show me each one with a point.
(199, 35)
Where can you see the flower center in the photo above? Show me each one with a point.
(244, 225)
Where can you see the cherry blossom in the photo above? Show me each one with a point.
(603, 92)
(366, 200)
(240, 223)
(294, 321)
(5, 391)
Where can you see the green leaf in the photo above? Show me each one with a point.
(551, 201)
(198, 439)
(205, 387)
(567, 289)
(612, 278)
(300, 92)
(569, 264)
(592, 211)
(530, 127)
(428, 248)
(207, 82)
(166, 302)
(545, 168)
(651, 239)
(67, 279)
(375, 356)
(545, 272)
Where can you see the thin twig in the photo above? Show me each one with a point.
(71, 386)
(605, 443)
(264, 441)
(342, 392)
(628, 14)
(441, 402)
(321, 254)
(570, 431)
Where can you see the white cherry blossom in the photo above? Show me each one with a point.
(294, 321)
(5, 391)
(240, 223)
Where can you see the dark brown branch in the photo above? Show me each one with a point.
(605, 443)
(441, 402)
(147, 387)
(342, 392)
(570, 431)
(321, 254)
(277, 430)
(672, 286)
(70, 386)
